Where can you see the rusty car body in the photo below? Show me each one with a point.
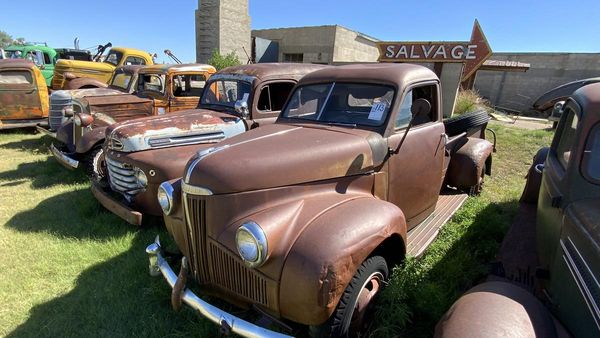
(141, 154)
(23, 94)
(303, 219)
(564, 181)
(160, 89)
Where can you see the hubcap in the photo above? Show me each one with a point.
(368, 291)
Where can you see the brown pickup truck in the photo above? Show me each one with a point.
(141, 154)
(304, 219)
(564, 183)
(160, 89)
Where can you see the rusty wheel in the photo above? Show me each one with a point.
(352, 311)
(95, 164)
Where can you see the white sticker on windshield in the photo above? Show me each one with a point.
(245, 97)
(377, 111)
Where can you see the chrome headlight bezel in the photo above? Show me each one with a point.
(165, 197)
(256, 239)
(141, 178)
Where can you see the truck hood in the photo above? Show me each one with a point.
(83, 68)
(110, 109)
(196, 126)
(285, 154)
(81, 93)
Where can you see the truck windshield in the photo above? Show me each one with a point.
(113, 57)
(121, 81)
(13, 54)
(343, 103)
(225, 92)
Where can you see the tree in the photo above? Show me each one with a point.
(5, 39)
(219, 61)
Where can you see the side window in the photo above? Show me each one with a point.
(567, 138)
(152, 82)
(592, 154)
(134, 60)
(15, 77)
(188, 85)
(47, 59)
(404, 116)
(272, 96)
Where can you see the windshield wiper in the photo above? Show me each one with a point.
(343, 124)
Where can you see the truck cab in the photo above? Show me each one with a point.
(23, 94)
(97, 73)
(303, 219)
(567, 181)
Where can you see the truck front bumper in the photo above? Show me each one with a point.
(45, 131)
(116, 207)
(228, 322)
(63, 158)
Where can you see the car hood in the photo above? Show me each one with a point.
(81, 93)
(285, 154)
(186, 127)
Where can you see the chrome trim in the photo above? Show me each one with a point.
(168, 189)
(185, 140)
(158, 265)
(258, 233)
(122, 178)
(195, 190)
(580, 281)
(63, 159)
(201, 154)
(232, 77)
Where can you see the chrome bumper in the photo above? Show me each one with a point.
(227, 321)
(63, 158)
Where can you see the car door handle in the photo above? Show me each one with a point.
(539, 168)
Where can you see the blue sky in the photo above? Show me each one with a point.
(526, 25)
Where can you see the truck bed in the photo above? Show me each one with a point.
(422, 235)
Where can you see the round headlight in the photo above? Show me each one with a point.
(251, 243)
(165, 197)
(77, 120)
(141, 177)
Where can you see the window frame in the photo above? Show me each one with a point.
(268, 84)
(588, 147)
(408, 89)
(569, 108)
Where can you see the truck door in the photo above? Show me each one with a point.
(19, 95)
(416, 172)
(550, 209)
(186, 90)
(269, 99)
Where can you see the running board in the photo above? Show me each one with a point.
(422, 235)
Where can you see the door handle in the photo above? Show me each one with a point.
(539, 168)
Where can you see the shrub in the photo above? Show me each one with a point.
(468, 101)
(223, 61)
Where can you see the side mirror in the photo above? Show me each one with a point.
(420, 107)
(241, 107)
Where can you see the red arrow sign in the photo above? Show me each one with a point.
(473, 53)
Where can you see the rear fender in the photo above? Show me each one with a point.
(467, 162)
(325, 257)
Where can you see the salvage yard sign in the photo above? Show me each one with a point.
(472, 53)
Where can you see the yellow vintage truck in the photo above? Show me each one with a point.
(96, 74)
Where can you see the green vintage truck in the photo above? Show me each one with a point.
(45, 57)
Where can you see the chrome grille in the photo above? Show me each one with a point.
(122, 177)
(59, 101)
(216, 265)
(115, 144)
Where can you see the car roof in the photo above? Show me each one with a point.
(185, 67)
(16, 63)
(273, 69)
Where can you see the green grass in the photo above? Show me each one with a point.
(69, 268)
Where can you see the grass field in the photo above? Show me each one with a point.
(69, 268)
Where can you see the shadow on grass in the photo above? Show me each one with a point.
(115, 298)
(422, 290)
(44, 173)
(35, 145)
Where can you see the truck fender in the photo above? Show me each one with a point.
(85, 82)
(90, 139)
(65, 134)
(468, 161)
(534, 178)
(327, 254)
(493, 309)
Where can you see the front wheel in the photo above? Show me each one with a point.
(95, 164)
(348, 319)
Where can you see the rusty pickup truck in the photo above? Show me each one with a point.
(141, 154)
(564, 182)
(303, 219)
(160, 89)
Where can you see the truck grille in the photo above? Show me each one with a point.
(213, 264)
(122, 177)
(58, 102)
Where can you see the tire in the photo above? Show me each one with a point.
(95, 165)
(478, 188)
(464, 122)
(345, 320)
